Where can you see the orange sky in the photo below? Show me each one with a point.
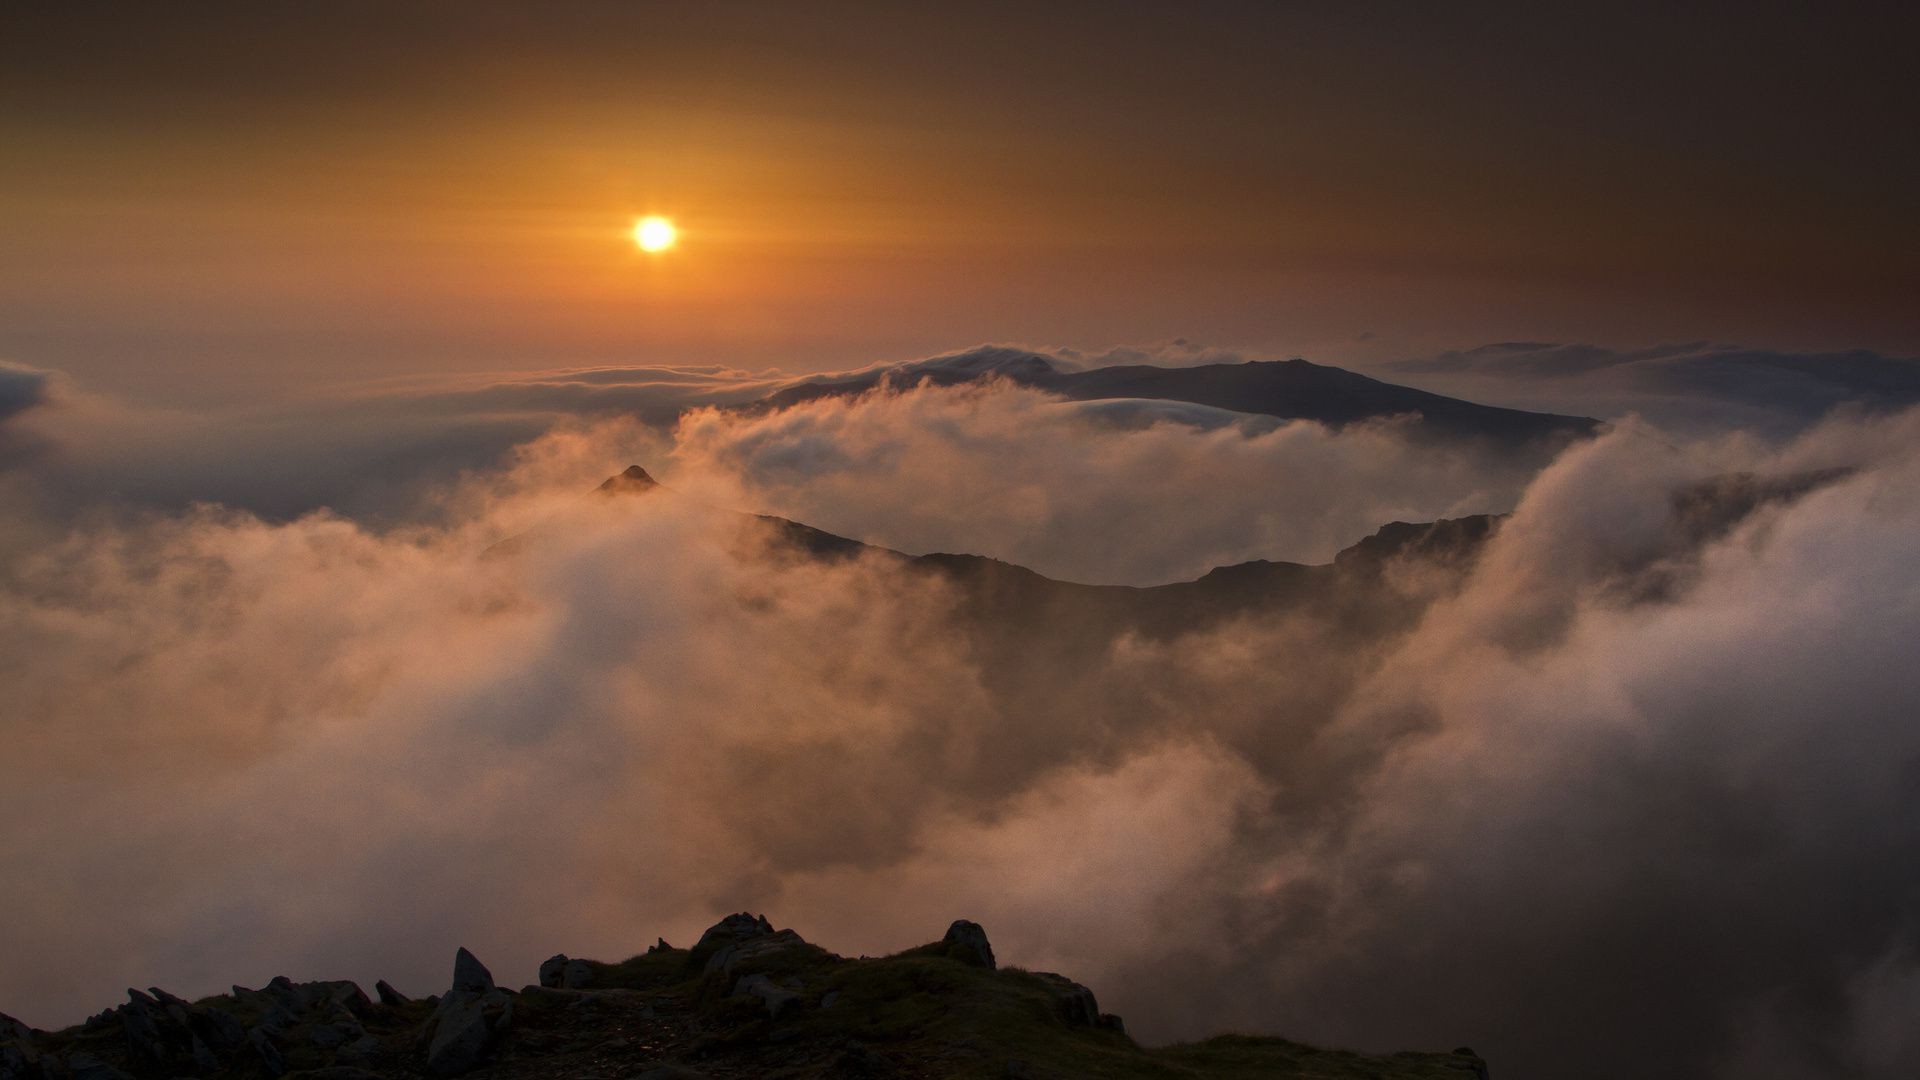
(261, 198)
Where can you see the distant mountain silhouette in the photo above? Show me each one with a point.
(1283, 389)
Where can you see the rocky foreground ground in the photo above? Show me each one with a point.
(745, 1001)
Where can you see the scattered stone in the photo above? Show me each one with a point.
(660, 945)
(967, 941)
(827, 1001)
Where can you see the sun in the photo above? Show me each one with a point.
(654, 233)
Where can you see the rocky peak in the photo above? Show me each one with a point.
(632, 481)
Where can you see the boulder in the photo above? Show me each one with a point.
(460, 1037)
(467, 1019)
(774, 997)
(470, 974)
(750, 950)
(967, 941)
(563, 973)
(391, 998)
(734, 928)
(1073, 1003)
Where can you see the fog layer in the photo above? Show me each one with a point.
(1632, 794)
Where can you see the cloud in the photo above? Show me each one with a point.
(1697, 387)
(1080, 490)
(22, 391)
(1629, 794)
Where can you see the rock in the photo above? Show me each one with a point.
(659, 945)
(87, 1067)
(222, 1028)
(1071, 1001)
(334, 1072)
(338, 994)
(967, 941)
(140, 1022)
(334, 1036)
(467, 1018)
(827, 1001)
(391, 998)
(460, 1038)
(280, 989)
(749, 950)
(202, 1055)
(19, 1057)
(774, 997)
(561, 973)
(1110, 1022)
(734, 928)
(270, 1057)
(14, 1029)
(470, 974)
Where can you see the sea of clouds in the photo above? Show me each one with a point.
(1625, 800)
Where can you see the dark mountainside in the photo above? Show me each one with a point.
(746, 1001)
(1283, 389)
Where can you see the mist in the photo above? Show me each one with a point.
(1622, 794)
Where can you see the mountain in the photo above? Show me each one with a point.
(1283, 389)
(745, 1000)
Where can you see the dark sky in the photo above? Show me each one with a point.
(230, 199)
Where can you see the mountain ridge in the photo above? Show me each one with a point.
(1285, 390)
(746, 1000)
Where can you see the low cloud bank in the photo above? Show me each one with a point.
(1077, 490)
(1631, 797)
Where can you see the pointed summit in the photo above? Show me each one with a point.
(631, 482)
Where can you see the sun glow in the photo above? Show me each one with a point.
(654, 233)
